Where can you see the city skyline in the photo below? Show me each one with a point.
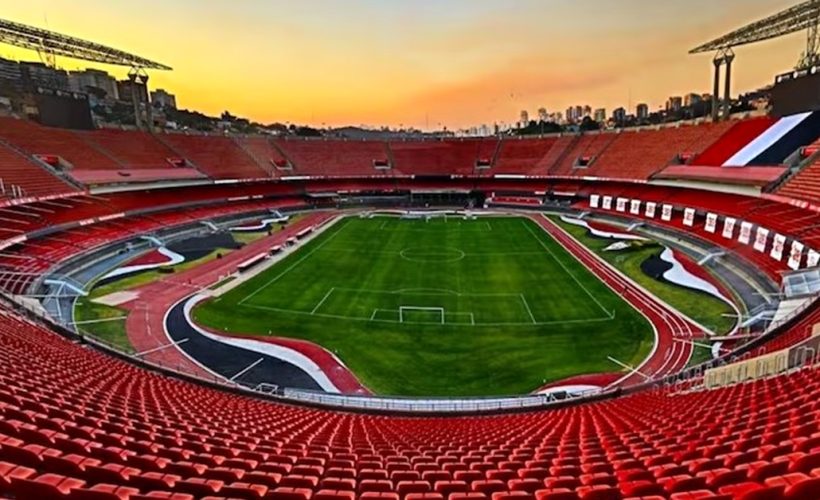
(449, 63)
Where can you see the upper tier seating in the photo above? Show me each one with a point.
(219, 157)
(335, 158)
(77, 424)
(262, 150)
(638, 155)
(33, 179)
(585, 146)
(805, 185)
(130, 149)
(517, 156)
(733, 140)
(69, 145)
(443, 157)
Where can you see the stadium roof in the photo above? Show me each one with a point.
(803, 16)
(49, 42)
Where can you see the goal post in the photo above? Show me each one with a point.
(425, 312)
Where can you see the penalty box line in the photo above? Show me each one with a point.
(376, 320)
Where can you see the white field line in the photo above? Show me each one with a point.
(527, 306)
(328, 294)
(293, 266)
(565, 268)
(373, 319)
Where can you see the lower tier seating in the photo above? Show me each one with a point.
(77, 424)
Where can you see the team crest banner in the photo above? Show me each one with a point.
(711, 223)
(729, 227)
(760, 239)
(689, 217)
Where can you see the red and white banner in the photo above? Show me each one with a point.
(666, 213)
(594, 200)
(761, 239)
(796, 255)
(689, 217)
(635, 207)
(778, 246)
(650, 209)
(711, 223)
(745, 233)
(621, 206)
(607, 203)
(729, 227)
(813, 259)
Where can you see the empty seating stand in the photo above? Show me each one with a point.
(335, 158)
(438, 157)
(77, 424)
(805, 185)
(219, 157)
(21, 176)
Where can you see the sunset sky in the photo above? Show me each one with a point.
(451, 62)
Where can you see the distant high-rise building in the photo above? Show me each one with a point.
(692, 100)
(525, 118)
(543, 116)
(163, 99)
(619, 116)
(36, 74)
(642, 111)
(600, 115)
(579, 113)
(587, 111)
(674, 104)
(80, 81)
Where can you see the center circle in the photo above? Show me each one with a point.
(432, 254)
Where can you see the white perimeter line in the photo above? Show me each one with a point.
(527, 306)
(292, 266)
(563, 266)
(328, 294)
(247, 369)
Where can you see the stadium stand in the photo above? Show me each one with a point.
(34, 180)
(740, 134)
(218, 157)
(517, 156)
(639, 155)
(334, 157)
(70, 429)
(444, 157)
(65, 144)
(78, 424)
(263, 152)
(805, 185)
(131, 149)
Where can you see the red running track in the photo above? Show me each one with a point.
(673, 331)
(145, 324)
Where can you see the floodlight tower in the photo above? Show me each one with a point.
(139, 81)
(49, 45)
(803, 16)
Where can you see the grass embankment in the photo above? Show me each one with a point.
(705, 309)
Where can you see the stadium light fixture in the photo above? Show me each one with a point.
(49, 43)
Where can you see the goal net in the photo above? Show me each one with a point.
(416, 314)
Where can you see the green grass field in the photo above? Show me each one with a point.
(443, 307)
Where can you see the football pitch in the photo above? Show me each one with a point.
(440, 307)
